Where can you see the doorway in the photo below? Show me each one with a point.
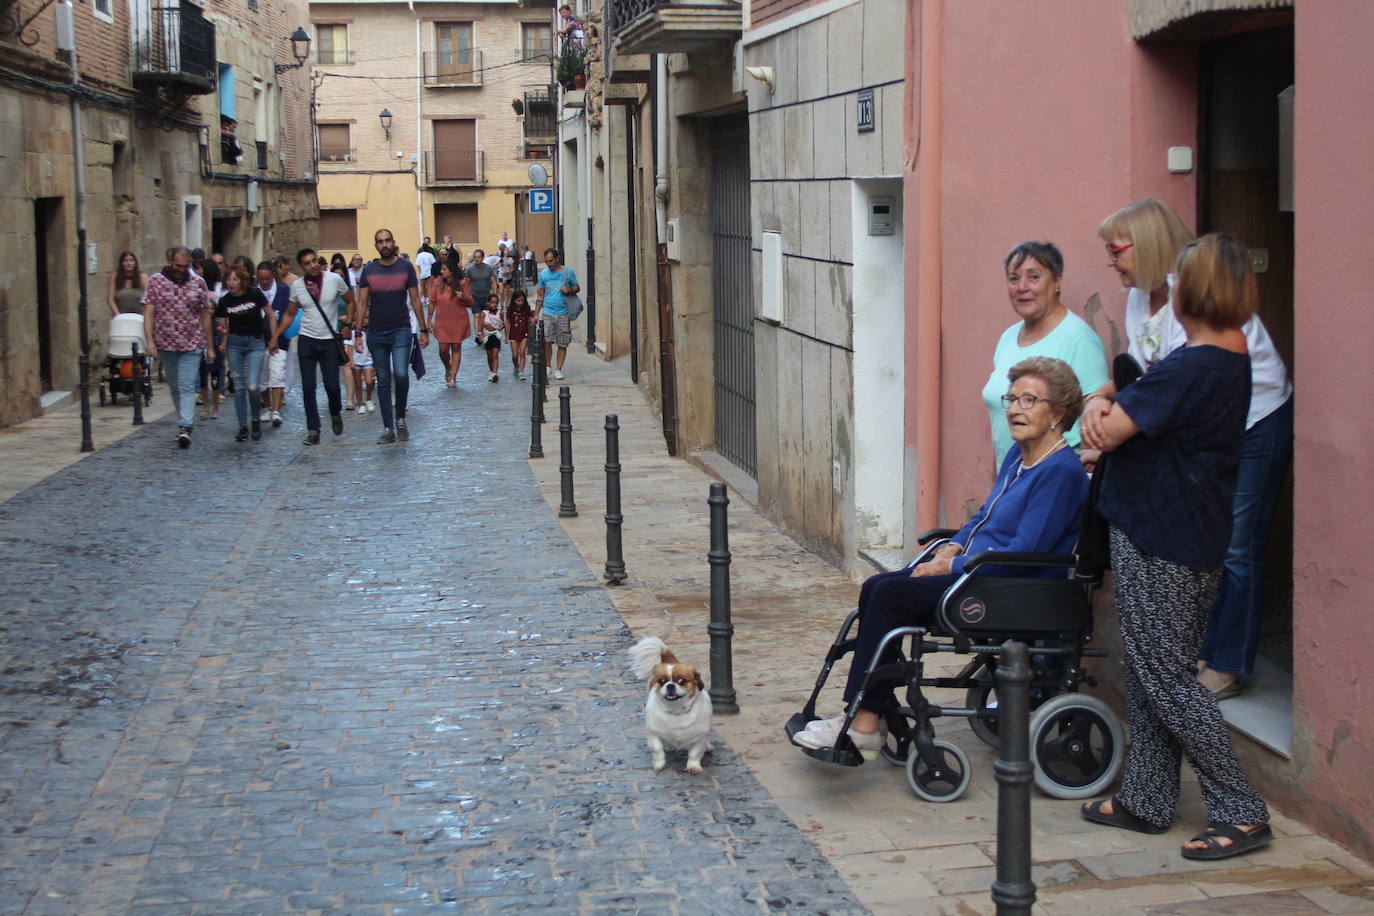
(47, 248)
(732, 288)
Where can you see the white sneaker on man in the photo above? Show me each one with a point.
(558, 374)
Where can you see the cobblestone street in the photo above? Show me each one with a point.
(255, 678)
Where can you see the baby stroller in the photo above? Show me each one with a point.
(1076, 741)
(124, 375)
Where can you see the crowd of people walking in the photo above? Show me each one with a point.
(359, 328)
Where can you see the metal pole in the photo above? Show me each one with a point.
(566, 507)
(541, 374)
(138, 386)
(537, 407)
(615, 557)
(1013, 891)
(720, 628)
(591, 290)
(79, 192)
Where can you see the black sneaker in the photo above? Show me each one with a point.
(386, 438)
(242, 434)
(184, 437)
(402, 432)
(312, 437)
(257, 430)
(336, 424)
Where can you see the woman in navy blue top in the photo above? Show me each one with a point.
(1175, 436)
(1034, 506)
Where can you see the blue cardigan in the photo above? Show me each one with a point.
(1037, 513)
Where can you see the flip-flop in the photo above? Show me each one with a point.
(1120, 817)
(1242, 841)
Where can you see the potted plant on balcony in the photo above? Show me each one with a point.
(572, 67)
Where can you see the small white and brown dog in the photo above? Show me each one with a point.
(678, 710)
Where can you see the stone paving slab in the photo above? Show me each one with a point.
(272, 678)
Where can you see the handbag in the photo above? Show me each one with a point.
(574, 304)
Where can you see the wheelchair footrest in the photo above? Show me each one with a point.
(844, 756)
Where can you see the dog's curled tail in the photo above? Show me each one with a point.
(648, 653)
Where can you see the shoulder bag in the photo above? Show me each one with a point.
(338, 341)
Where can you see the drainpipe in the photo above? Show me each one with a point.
(666, 360)
(66, 33)
(419, 127)
(928, 271)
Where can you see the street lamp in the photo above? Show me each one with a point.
(385, 118)
(300, 49)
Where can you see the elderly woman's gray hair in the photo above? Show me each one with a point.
(1058, 376)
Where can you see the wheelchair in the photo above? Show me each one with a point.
(1077, 746)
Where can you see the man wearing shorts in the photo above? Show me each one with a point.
(276, 368)
(388, 294)
(551, 308)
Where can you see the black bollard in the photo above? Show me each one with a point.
(566, 507)
(541, 373)
(537, 407)
(615, 557)
(138, 386)
(1013, 891)
(720, 628)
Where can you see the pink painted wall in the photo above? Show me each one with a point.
(1334, 482)
(1052, 118)
(1048, 128)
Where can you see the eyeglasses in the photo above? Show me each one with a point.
(1024, 401)
(1114, 252)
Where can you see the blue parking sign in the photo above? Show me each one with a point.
(541, 200)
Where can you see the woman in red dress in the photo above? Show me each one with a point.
(448, 318)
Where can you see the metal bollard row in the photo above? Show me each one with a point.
(615, 557)
(567, 508)
(537, 392)
(720, 628)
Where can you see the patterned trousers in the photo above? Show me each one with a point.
(1163, 609)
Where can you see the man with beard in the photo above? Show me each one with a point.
(386, 288)
(315, 346)
(176, 318)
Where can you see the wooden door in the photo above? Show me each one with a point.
(453, 50)
(455, 150)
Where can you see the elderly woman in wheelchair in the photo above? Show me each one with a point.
(1031, 520)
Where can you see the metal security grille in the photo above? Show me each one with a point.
(732, 289)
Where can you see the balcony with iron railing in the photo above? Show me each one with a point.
(454, 167)
(659, 26)
(174, 48)
(461, 68)
(534, 54)
(541, 122)
(329, 57)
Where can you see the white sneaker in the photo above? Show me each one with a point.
(558, 374)
(362, 408)
(276, 418)
(371, 407)
(823, 733)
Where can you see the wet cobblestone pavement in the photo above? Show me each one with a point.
(260, 678)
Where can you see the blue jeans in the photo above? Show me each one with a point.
(182, 368)
(245, 364)
(391, 358)
(1233, 629)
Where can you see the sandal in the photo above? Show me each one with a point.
(1120, 817)
(1242, 841)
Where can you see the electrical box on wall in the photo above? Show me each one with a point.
(674, 240)
(882, 215)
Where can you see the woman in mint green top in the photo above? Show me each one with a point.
(1046, 328)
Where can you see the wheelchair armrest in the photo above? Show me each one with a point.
(1011, 558)
(926, 536)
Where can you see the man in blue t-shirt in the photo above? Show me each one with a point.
(556, 282)
(386, 288)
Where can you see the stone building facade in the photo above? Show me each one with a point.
(453, 153)
(153, 84)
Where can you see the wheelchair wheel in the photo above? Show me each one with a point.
(978, 697)
(1076, 745)
(939, 785)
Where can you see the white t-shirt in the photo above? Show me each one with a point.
(424, 263)
(1150, 338)
(492, 260)
(312, 324)
(509, 243)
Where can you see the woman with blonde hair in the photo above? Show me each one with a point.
(1142, 240)
(1175, 435)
